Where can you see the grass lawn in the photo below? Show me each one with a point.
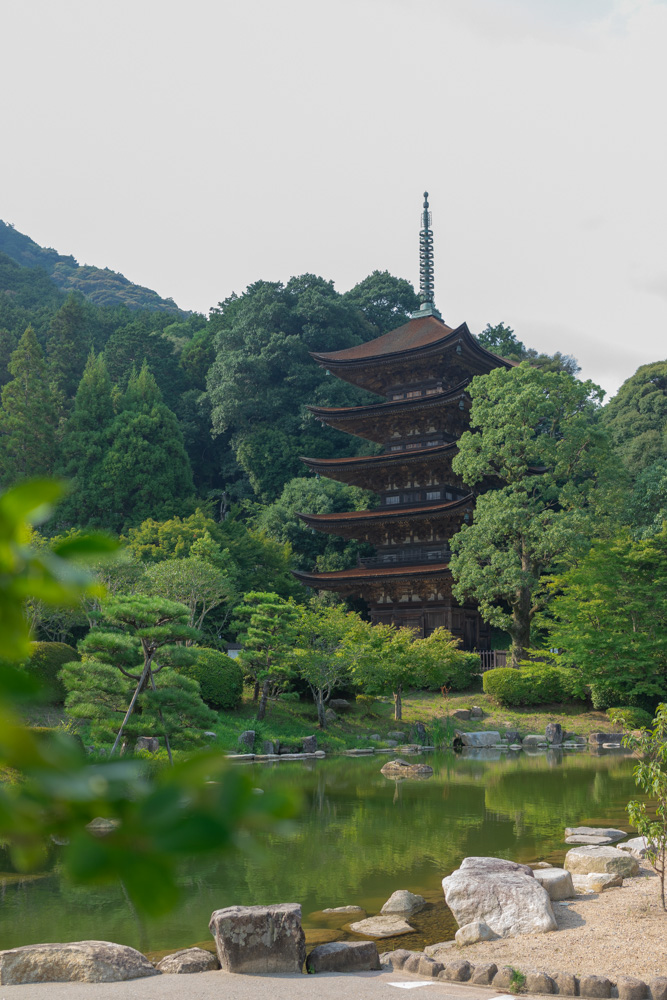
(290, 721)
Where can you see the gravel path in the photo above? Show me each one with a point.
(619, 932)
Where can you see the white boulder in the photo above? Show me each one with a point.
(485, 739)
(502, 894)
(584, 860)
(404, 902)
(387, 926)
(638, 847)
(73, 962)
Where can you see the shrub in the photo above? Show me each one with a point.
(220, 678)
(44, 664)
(457, 673)
(529, 686)
(630, 718)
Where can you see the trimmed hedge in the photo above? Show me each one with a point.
(528, 686)
(44, 664)
(220, 678)
(630, 718)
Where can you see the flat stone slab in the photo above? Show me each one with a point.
(332, 911)
(593, 841)
(609, 833)
(382, 926)
(259, 939)
(344, 956)
(73, 962)
(585, 860)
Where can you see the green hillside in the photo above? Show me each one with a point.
(97, 284)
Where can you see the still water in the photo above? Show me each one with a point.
(360, 837)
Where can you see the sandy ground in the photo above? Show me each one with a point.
(619, 932)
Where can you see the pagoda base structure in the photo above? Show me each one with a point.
(416, 597)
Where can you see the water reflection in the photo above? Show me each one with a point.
(358, 839)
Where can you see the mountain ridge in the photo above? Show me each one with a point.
(102, 286)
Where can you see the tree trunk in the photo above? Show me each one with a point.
(255, 693)
(321, 720)
(261, 711)
(398, 704)
(520, 630)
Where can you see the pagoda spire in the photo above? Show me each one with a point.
(426, 284)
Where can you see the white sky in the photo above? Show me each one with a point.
(199, 145)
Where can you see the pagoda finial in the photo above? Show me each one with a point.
(426, 265)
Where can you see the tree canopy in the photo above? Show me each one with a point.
(537, 437)
(636, 417)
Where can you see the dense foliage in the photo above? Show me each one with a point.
(220, 678)
(536, 685)
(535, 434)
(44, 664)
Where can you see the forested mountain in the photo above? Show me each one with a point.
(98, 284)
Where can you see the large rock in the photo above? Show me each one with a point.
(554, 733)
(247, 740)
(340, 705)
(400, 768)
(344, 956)
(403, 901)
(309, 744)
(484, 739)
(257, 939)
(461, 713)
(73, 962)
(418, 734)
(502, 894)
(189, 960)
(638, 847)
(457, 971)
(557, 882)
(476, 712)
(601, 738)
(396, 734)
(533, 740)
(148, 743)
(495, 865)
(382, 926)
(584, 860)
(583, 838)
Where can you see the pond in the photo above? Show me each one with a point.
(360, 837)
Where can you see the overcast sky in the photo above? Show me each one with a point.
(199, 145)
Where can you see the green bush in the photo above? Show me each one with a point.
(220, 678)
(44, 664)
(458, 674)
(529, 686)
(630, 718)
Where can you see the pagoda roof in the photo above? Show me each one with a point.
(344, 520)
(414, 336)
(359, 574)
(391, 406)
(376, 461)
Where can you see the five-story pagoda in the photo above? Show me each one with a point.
(422, 369)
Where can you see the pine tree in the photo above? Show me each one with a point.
(146, 469)
(85, 444)
(68, 342)
(29, 416)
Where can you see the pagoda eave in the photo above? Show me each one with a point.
(360, 575)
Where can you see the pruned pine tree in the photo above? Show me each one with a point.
(269, 630)
(140, 649)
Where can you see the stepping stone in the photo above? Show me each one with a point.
(583, 835)
(382, 927)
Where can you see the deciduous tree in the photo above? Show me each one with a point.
(537, 435)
